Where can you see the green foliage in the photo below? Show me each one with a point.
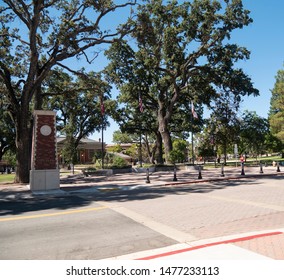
(78, 107)
(120, 137)
(205, 152)
(32, 43)
(132, 151)
(110, 161)
(10, 158)
(79, 104)
(179, 152)
(119, 162)
(253, 132)
(223, 126)
(97, 159)
(181, 54)
(69, 151)
(7, 129)
(276, 114)
(273, 144)
(115, 149)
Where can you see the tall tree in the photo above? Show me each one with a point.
(253, 132)
(78, 105)
(7, 131)
(224, 122)
(35, 36)
(182, 51)
(137, 119)
(276, 114)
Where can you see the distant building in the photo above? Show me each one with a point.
(86, 149)
(124, 146)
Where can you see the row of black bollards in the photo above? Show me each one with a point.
(222, 172)
(260, 168)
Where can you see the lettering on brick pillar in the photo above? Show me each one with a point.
(44, 142)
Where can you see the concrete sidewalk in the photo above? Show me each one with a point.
(80, 183)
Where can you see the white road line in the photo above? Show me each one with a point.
(170, 232)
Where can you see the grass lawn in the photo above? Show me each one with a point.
(251, 161)
(7, 178)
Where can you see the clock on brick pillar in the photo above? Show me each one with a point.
(44, 174)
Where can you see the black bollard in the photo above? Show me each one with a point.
(278, 167)
(261, 169)
(175, 175)
(199, 172)
(243, 169)
(147, 176)
(222, 170)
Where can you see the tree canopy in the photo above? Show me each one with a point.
(253, 133)
(178, 53)
(36, 36)
(276, 114)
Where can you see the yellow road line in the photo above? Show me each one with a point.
(52, 214)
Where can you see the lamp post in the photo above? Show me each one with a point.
(102, 128)
(140, 146)
(102, 143)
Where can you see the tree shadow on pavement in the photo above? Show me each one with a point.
(14, 203)
(153, 192)
(10, 205)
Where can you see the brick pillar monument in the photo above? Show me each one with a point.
(44, 174)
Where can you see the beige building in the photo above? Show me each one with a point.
(86, 149)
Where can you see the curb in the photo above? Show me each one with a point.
(206, 245)
(223, 179)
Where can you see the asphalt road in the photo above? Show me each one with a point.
(70, 227)
(107, 224)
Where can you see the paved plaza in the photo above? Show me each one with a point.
(217, 217)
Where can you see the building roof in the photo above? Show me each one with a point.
(124, 156)
(84, 143)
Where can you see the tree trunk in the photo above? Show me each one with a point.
(159, 142)
(165, 133)
(148, 149)
(23, 148)
(167, 143)
(157, 151)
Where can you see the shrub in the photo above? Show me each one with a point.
(119, 162)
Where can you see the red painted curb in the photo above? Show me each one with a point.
(211, 244)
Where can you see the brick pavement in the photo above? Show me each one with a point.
(232, 211)
(270, 246)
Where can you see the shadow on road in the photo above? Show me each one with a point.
(75, 197)
(17, 205)
(145, 193)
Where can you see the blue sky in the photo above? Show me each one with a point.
(265, 39)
